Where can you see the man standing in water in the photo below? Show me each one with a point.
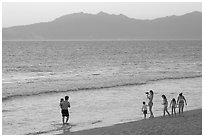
(150, 95)
(64, 106)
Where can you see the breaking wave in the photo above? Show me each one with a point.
(96, 87)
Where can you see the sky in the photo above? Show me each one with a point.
(22, 13)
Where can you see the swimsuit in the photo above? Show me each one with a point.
(150, 97)
(150, 103)
(65, 112)
(145, 112)
(165, 103)
(181, 101)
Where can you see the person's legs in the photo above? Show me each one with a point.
(182, 109)
(175, 111)
(164, 111)
(167, 111)
(145, 113)
(179, 109)
(172, 109)
(150, 110)
(63, 119)
(67, 119)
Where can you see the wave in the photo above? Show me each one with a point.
(61, 127)
(99, 87)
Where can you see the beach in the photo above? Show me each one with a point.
(94, 108)
(105, 80)
(189, 124)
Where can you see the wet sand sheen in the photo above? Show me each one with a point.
(105, 80)
(189, 124)
(91, 109)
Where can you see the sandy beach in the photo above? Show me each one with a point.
(91, 109)
(105, 80)
(189, 124)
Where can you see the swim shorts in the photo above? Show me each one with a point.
(65, 112)
(145, 112)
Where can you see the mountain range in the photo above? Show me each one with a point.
(109, 26)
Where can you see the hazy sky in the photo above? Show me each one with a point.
(22, 13)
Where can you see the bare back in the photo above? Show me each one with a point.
(65, 104)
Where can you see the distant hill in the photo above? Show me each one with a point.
(109, 26)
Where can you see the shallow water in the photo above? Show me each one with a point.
(35, 67)
(40, 114)
(105, 80)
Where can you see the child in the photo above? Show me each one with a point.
(173, 106)
(165, 103)
(144, 109)
(61, 100)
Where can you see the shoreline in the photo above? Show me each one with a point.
(189, 124)
(119, 100)
(98, 87)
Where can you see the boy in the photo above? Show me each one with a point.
(144, 109)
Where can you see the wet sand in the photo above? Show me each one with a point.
(188, 124)
(93, 108)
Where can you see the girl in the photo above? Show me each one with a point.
(165, 103)
(173, 106)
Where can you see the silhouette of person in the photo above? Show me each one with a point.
(165, 103)
(150, 103)
(173, 106)
(64, 109)
(180, 102)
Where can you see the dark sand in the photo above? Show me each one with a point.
(189, 124)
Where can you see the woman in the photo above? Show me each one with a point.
(180, 102)
(165, 103)
(150, 103)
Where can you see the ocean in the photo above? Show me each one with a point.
(106, 81)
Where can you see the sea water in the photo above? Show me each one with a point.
(105, 80)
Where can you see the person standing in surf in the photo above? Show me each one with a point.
(144, 109)
(64, 109)
(173, 106)
(150, 95)
(180, 102)
(165, 103)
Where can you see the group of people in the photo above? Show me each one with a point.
(150, 95)
(65, 104)
(173, 104)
